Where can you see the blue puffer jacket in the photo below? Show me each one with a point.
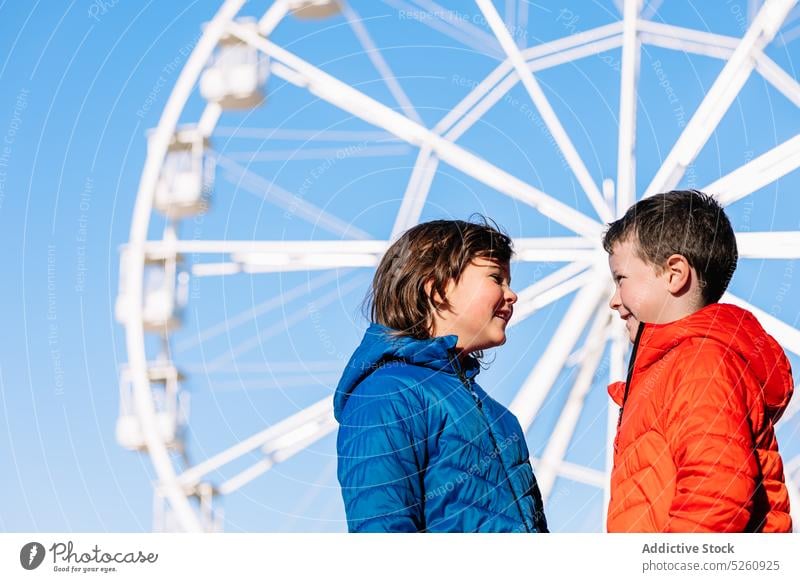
(423, 448)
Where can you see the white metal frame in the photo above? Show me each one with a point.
(583, 273)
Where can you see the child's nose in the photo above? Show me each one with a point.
(511, 297)
(615, 301)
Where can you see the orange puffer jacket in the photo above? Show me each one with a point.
(695, 449)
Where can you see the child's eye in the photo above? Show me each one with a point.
(498, 278)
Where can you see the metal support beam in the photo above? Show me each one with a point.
(757, 173)
(616, 373)
(539, 64)
(536, 296)
(272, 17)
(416, 192)
(356, 23)
(717, 46)
(537, 386)
(768, 245)
(556, 249)
(549, 116)
(286, 322)
(719, 98)
(529, 299)
(577, 473)
(296, 70)
(629, 74)
(315, 415)
(504, 69)
(560, 438)
(293, 204)
(252, 313)
(450, 24)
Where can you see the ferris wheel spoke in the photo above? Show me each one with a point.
(304, 153)
(616, 373)
(500, 81)
(252, 313)
(277, 443)
(255, 256)
(539, 382)
(272, 17)
(757, 173)
(791, 411)
(286, 322)
(787, 336)
(688, 40)
(522, 22)
(720, 96)
(717, 46)
(547, 291)
(157, 248)
(560, 438)
(449, 24)
(416, 192)
(574, 472)
(629, 75)
(778, 78)
(360, 105)
(304, 135)
(549, 116)
(374, 54)
(209, 119)
(306, 436)
(270, 191)
(547, 249)
(768, 245)
(793, 487)
(793, 465)
(275, 383)
(311, 367)
(651, 8)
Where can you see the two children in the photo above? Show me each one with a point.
(423, 448)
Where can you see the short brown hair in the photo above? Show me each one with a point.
(683, 222)
(436, 251)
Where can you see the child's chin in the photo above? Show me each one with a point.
(496, 343)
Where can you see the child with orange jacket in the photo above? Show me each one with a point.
(695, 449)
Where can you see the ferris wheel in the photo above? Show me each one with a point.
(229, 73)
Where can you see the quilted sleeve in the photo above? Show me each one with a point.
(709, 435)
(381, 464)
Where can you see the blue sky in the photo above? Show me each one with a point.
(83, 81)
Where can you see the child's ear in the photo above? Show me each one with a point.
(678, 274)
(428, 286)
(437, 297)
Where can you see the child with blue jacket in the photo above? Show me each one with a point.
(421, 446)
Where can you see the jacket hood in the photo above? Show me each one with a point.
(380, 347)
(735, 328)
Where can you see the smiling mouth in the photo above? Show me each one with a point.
(504, 315)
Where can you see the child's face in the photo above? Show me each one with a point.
(641, 292)
(481, 304)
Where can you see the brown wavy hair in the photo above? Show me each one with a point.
(436, 252)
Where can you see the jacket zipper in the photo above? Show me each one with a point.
(468, 385)
(629, 377)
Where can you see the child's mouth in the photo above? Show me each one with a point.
(504, 315)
